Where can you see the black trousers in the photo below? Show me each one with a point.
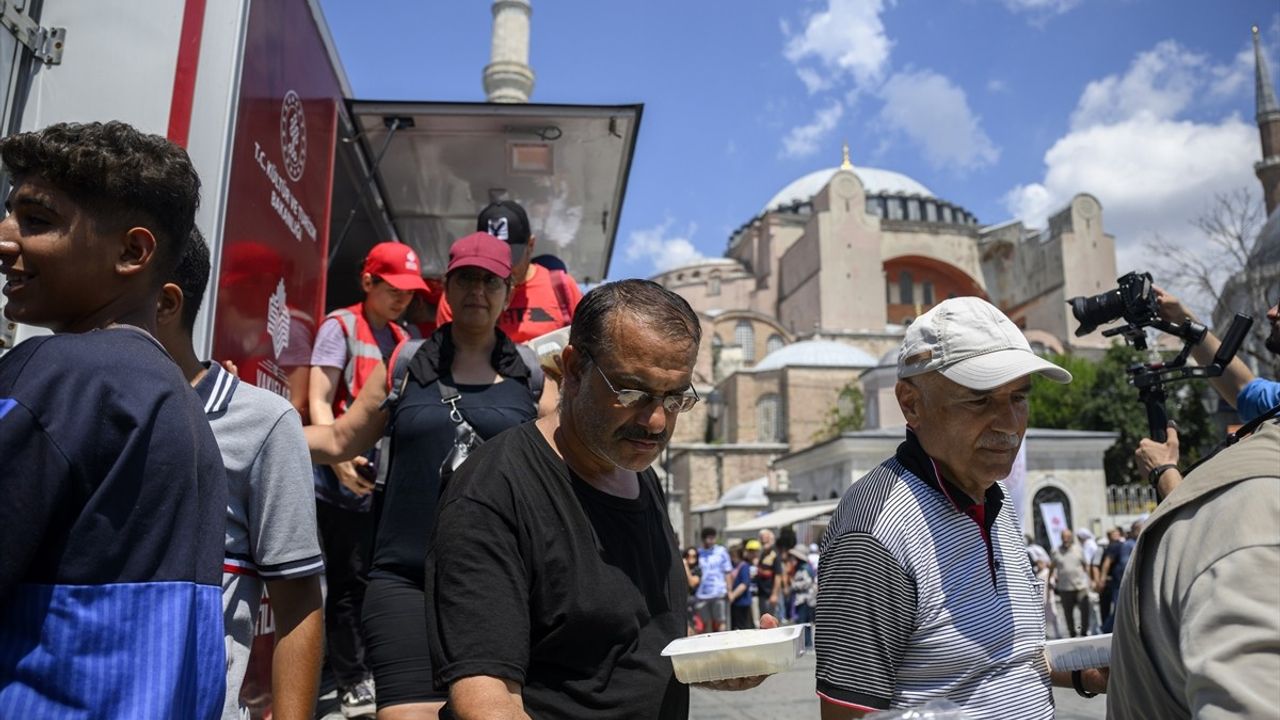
(346, 538)
(1072, 599)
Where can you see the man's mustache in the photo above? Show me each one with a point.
(632, 432)
(1000, 442)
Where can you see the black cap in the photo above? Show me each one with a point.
(505, 220)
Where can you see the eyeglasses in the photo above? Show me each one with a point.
(639, 399)
(468, 280)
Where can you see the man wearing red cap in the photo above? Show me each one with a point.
(351, 343)
(544, 299)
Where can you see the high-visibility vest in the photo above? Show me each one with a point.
(363, 353)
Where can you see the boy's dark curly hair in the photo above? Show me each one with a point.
(122, 177)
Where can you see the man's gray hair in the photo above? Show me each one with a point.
(650, 303)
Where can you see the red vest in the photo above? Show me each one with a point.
(363, 353)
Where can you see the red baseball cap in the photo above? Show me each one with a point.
(481, 250)
(397, 264)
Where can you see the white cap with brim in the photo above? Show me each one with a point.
(970, 342)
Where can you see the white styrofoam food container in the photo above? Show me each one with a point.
(734, 654)
(1080, 653)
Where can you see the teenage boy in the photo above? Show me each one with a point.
(114, 493)
(350, 344)
(271, 535)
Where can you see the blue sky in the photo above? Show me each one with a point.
(1007, 107)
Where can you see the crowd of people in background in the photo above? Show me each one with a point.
(1081, 578)
(733, 587)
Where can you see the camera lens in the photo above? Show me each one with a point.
(1096, 310)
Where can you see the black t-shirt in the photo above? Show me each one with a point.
(420, 441)
(537, 577)
(768, 572)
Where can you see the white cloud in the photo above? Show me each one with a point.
(996, 85)
(813, 80)
(1153, 169)
(848, 36)
(934, 113)
(804, 140)
(1053, 6)
(1161, 82)
(662, 248)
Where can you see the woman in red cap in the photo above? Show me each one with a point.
(350, 344)
(475, 364)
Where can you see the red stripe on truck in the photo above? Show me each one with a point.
(184, 75)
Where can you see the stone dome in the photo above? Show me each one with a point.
(874, 180)
(816, 353)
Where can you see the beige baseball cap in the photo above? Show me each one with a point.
(970, 342)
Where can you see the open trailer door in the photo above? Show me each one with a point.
(438, 164)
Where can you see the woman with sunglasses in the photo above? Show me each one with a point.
(493, 384)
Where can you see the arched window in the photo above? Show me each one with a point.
(875, 206)
(947, 217)
(926, 289)
(931, 211)
(1048, 494)
(906, 294)
(895, 208)
(775, 342)
(768, 429)
(713, 284)
(913, 209)
(745, 337)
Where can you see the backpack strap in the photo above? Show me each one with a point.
(537, 378)
(562, 294)
(398, 371)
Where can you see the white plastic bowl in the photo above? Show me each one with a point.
(735, 654)
(1080, 653)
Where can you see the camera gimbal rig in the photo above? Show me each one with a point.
(1134, 301)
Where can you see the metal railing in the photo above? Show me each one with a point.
(1131, 499)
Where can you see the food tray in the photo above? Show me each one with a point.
(734, 654)
(1080, 653)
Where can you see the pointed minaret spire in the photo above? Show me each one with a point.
(844, 151)
(1266, 91)
(1268, 168)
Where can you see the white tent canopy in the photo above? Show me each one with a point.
(784, 517)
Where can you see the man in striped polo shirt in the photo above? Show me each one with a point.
(924, 591)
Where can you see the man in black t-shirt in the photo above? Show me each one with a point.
(554, 580)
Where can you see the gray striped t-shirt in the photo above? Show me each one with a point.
(911, 608)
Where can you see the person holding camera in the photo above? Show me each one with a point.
(1250, 396)
(1196, 630)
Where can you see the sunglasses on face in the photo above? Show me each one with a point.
(639, 399)
(471, 278)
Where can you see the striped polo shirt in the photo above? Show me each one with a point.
(271, 514)
(923, 596)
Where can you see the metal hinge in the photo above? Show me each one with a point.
(44, 43)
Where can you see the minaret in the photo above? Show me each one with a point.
(508, 77)
(1268, 168)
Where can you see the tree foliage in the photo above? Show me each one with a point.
(1101, 398)
(846, 415)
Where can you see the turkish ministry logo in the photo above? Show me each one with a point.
(293, 135)
(278, 320)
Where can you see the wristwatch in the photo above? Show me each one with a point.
(1077, 681)
(1154, 476)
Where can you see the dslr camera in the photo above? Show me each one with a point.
(1134, 300)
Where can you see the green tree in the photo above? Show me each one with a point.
(1101, 398)
(845, 415)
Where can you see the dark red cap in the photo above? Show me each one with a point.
(397, 264)
(481, 250)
